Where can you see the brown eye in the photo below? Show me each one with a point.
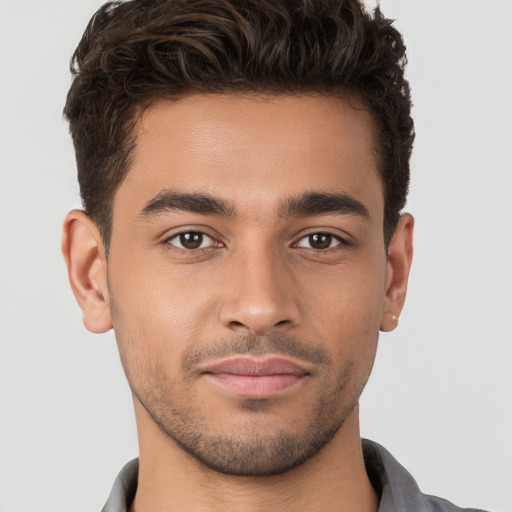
(191, 240)
(319, 241)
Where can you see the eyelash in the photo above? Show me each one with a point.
(341, 242)
(198, 250)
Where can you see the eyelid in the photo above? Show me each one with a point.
(166, 239)
(344, 239)
(336, 238)
(178, 235)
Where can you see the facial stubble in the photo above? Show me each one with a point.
(254, 449)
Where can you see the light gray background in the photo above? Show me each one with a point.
(441, 393)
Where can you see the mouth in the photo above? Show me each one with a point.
(252, 377)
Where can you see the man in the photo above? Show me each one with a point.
(243, 166)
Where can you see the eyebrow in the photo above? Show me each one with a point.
(304, 205)
(171, 200)
(318, 203)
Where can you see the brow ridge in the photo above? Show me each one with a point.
(305, 205)
(321, 203)
(192, 202)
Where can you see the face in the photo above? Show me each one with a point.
(247, 274)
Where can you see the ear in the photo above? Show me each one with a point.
(84, 252)
(400, 253)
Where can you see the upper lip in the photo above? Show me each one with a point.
(256, 366)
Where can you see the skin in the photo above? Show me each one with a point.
(259, 284)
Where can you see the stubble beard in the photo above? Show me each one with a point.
(252, 451)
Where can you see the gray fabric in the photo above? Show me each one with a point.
(397, 489)
(123, 490)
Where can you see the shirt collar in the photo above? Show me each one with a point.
(397, 489)
(123, 490)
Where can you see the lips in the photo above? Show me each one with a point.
(256, 377)
(253, 366)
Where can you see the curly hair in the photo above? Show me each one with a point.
(135, 51)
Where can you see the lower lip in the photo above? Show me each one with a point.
(261, 386)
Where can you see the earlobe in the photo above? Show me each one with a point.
(84, 252)
(400, 252)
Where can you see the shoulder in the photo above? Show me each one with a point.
(124, 488)
(436, 504)
(398, 490)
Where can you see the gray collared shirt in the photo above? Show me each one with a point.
(397, 489)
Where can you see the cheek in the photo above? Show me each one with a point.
(159, 312)
(351, 294)
(345, 310)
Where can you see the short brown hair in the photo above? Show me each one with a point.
(138, 50)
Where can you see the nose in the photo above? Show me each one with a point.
(261, 295)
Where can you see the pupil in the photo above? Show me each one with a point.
(320, 241)
(191, 240)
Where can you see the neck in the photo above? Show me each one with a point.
(334, 479)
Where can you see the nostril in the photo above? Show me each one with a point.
(256, 327)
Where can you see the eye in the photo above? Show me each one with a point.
(191, 240)
(319, 241)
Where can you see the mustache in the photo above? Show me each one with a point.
(275, 343)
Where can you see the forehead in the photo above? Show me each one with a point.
(253, 149)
